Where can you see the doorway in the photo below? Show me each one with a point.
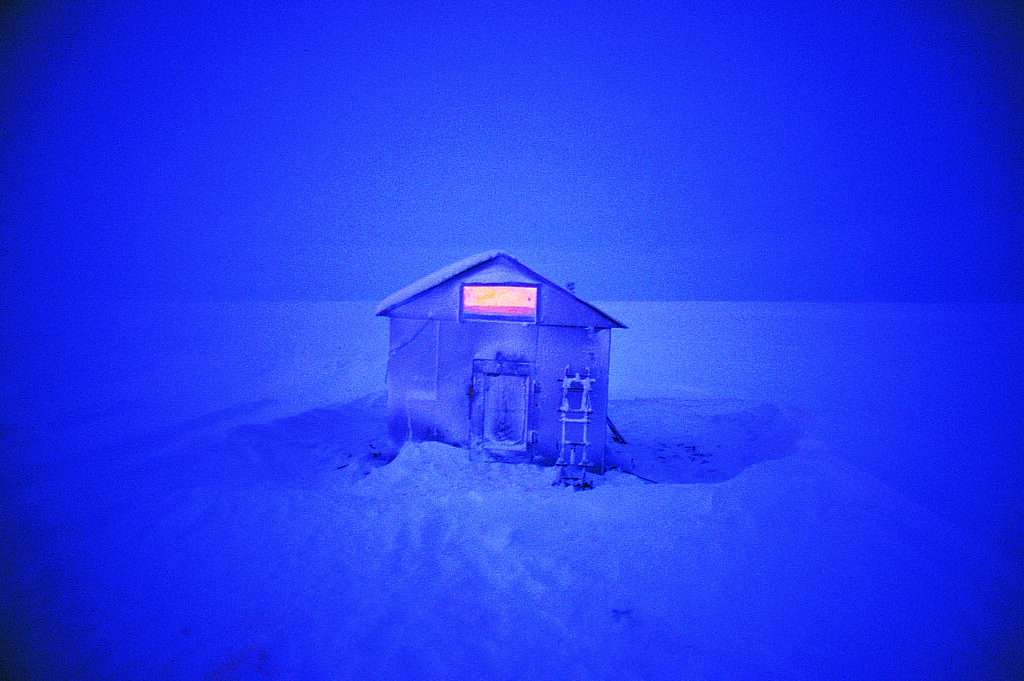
(502, 405)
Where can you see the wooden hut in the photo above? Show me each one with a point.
(488, 355)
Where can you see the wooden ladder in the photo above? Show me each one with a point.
(575, 419)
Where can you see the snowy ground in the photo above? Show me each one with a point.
(197, 492)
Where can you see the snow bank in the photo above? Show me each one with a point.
(924, 397)
(433, 469)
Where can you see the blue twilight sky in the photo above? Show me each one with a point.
(749, 151)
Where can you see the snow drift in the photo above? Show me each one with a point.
(243, 525)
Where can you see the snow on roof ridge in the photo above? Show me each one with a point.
(439, 277)
(456, 268)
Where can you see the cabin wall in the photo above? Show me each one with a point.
(579, 349)
(464, 342)
(430, 375)
(412, 380)
(430, 371)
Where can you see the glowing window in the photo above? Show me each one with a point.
(503, 302)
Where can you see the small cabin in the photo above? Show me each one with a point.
(488, 355)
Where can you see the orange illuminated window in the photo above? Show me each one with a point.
(499, 302)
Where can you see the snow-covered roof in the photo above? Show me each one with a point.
(455, 269)
(438, 277)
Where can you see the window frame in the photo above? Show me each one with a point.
(483, 317)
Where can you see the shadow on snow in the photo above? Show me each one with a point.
(693, 441)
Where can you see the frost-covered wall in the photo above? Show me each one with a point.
(494, 385)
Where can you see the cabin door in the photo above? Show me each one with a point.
(502, 405)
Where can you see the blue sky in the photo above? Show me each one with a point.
(744, 151)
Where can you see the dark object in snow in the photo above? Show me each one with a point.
(572, 474)
(616, 436)
(488, 355)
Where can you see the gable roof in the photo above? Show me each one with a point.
(465, 265)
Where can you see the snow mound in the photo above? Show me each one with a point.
(699, 441)
(435, 469)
